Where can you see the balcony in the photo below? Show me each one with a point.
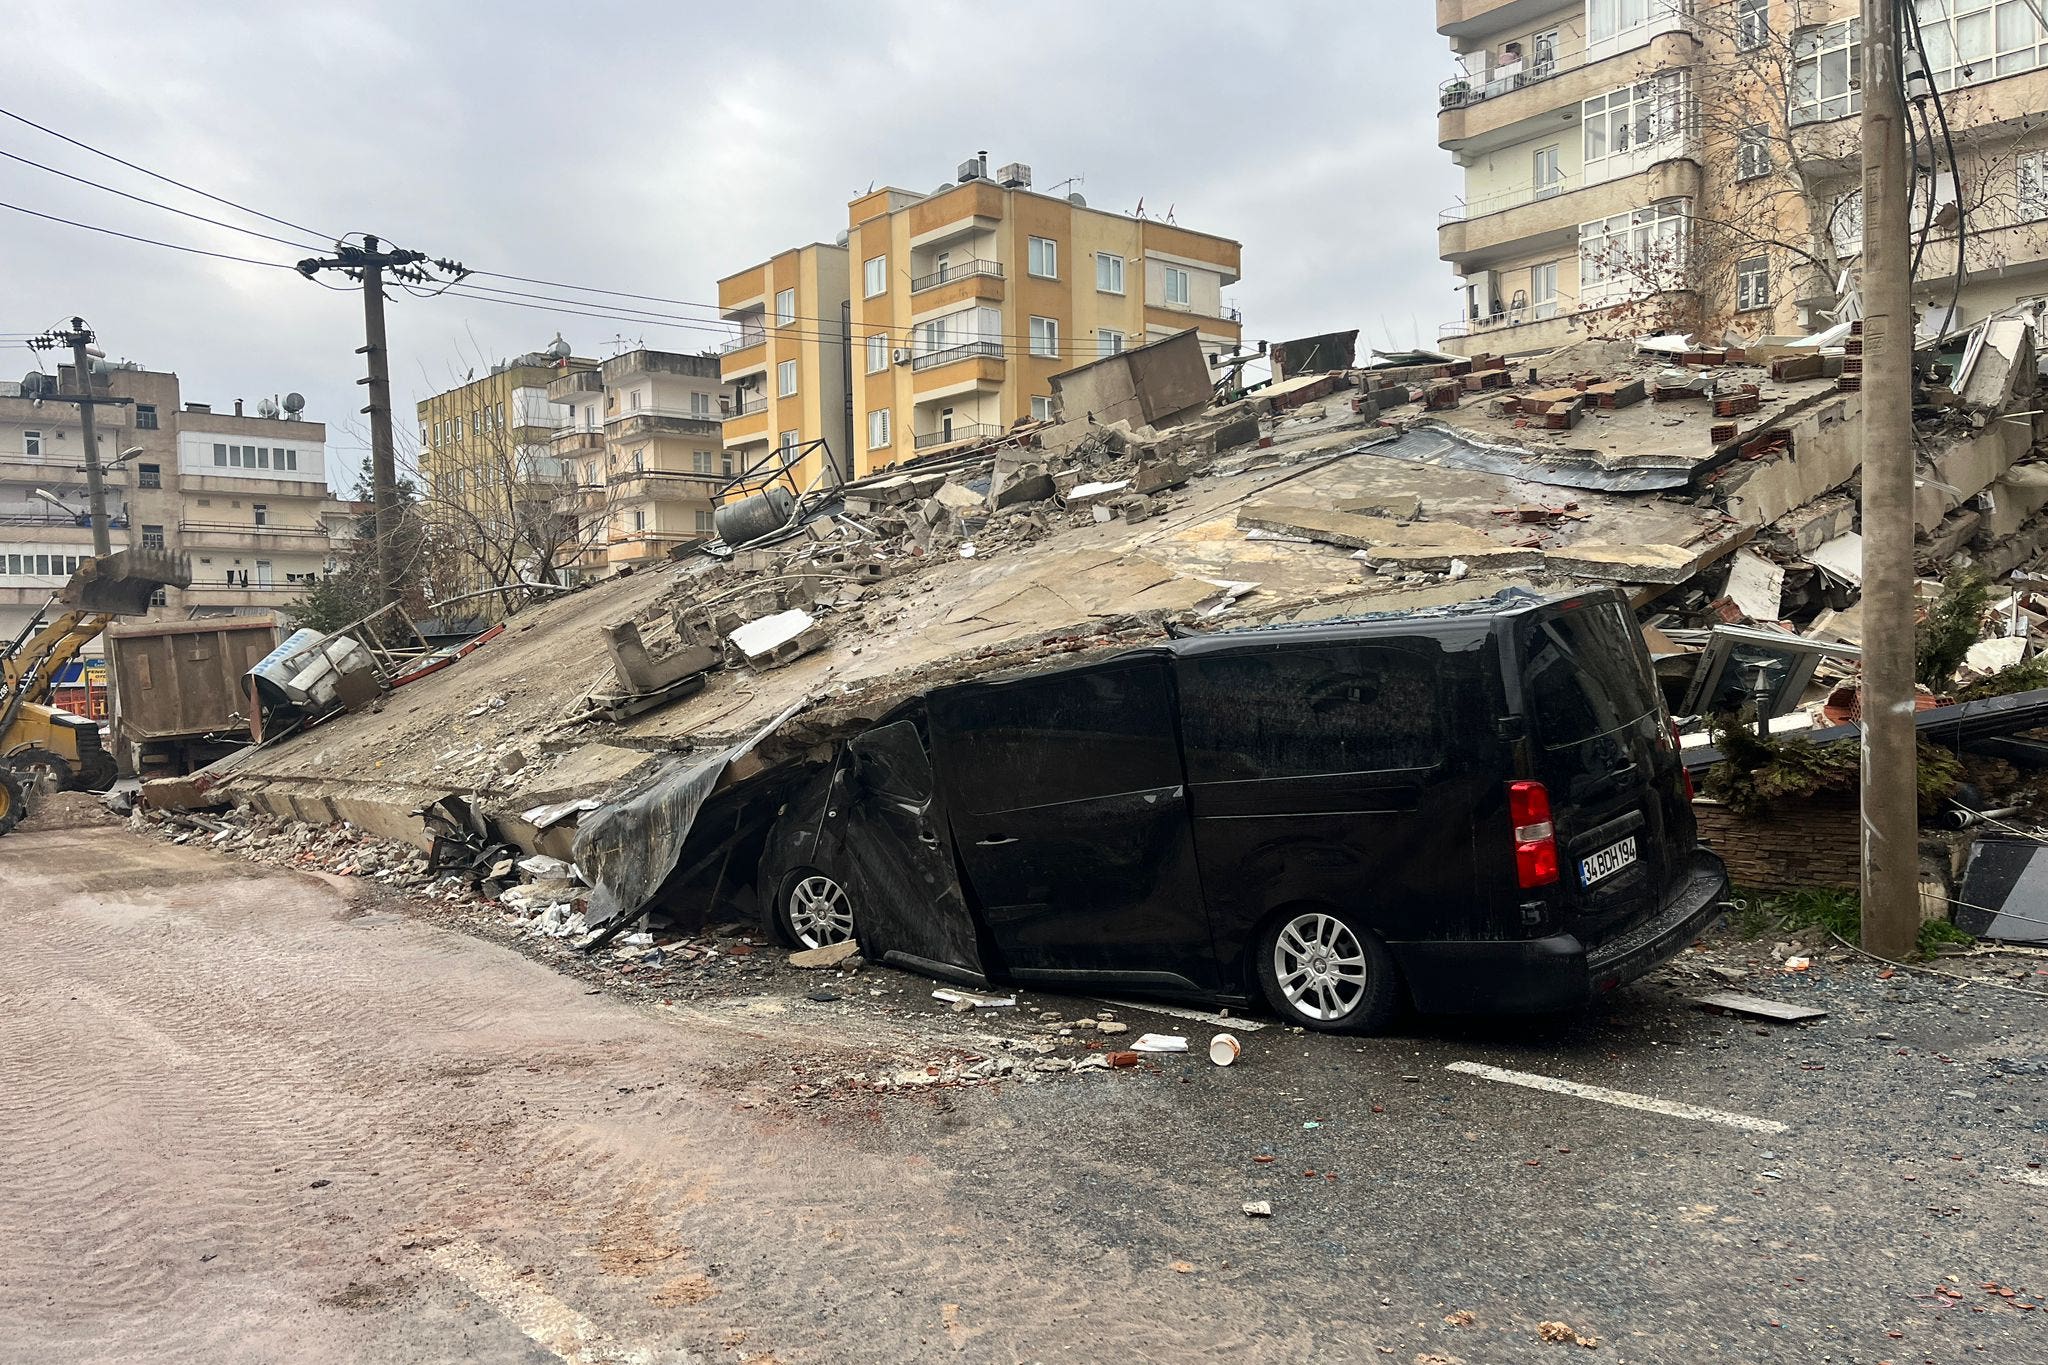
(1544, 327)
(956, 271)
(932, 360)
(746, 407)
(576, 386)
(663, 485)
(742, 341)
(1483, 111)
(1473, 236)
(961, 432)
(625, 426)
(571, 442)
(223, 535)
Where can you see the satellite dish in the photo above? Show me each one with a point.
(295, 403)
(559, 348)
(267, 408)
(1077, 201)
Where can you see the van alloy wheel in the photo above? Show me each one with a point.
(1320, 966)
(818, 910)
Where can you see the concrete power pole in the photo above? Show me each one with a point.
(1891, 856)
(367, 264)
(79, 339)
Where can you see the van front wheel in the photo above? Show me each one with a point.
(1322, 970)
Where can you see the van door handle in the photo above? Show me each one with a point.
(994, 840)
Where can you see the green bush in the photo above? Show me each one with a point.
(1754, 772)
(1953, 624)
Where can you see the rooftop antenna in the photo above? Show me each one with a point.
(1070, 180)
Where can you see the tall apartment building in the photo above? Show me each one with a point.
(245, 496)
(644, 454)
(1695, 164)
(786, 372)
(960, 305)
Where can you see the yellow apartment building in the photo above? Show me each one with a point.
(959, 306)
(785, 373)
(1637, 165)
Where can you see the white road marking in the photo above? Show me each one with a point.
(552, 1325)
(1225, 1021)
(1648, 1103)
(2032, 1178)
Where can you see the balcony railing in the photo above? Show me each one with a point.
(702, 415)
(747, 408)
(971, 431)
(933, 359)
(741, 342)
(955, 270)
(1462, 92)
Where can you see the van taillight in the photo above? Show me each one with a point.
(1535, 838)
(1678, 747)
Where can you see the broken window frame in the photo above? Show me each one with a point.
(1800, 656)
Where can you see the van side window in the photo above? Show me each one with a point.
(1067, 737)
(1308, 712)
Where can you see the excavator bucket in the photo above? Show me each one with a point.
(123, 582)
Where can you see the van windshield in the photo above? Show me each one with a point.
(1586, 674)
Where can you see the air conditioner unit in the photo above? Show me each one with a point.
(901, 355)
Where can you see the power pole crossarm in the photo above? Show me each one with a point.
(79, 338)
(1891, 854)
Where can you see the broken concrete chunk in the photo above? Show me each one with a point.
(775, 640)
(1628, 563)
(1084, 494)
(831, 955)
(1159, 476)
(1393, 506)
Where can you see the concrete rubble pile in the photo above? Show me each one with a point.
(1716, 485)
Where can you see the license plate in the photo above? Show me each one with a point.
(1607, 861)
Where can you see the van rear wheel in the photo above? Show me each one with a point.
(1323, 970)
(813, 909)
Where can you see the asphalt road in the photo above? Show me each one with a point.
(254, 1115)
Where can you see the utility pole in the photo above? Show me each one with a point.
(1891, 855)
(79, 339)
(367, 265)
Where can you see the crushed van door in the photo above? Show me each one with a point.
(899, 859)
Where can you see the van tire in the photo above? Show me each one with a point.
(1338, 976)
(803, 903)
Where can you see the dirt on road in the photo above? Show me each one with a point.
(255, 1115)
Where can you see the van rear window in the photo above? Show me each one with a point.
(1586, 674)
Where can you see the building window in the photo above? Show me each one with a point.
(262, 512)
(1045, 337)
(220, 454)
(153, 537)
(1176, 287)
(1041, 408)
(1633, 117)
(291, 459)
(1752, 283)
(1753, 152)
(1752, 24)
(639, 519)
(2032, 188)
(878, 353)
(1646, 246)
(32, 443)
(785, 379)
(700, 461)
(874, 275)
(789, 441)
(1607, 19)
(640, 460)
(1044, 259)
(501, 417)
(1543, 289)
(700, 405)
(1109, 273)
(149, 476)
(1108, 341)
(878, 428)
(785, 307)
(1977, 40)
(1546, 171)
(1827, 71)
(145, 417)
(706, 522)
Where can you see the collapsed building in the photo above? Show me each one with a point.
(638, 728)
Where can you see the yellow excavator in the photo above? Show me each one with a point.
(42, 746)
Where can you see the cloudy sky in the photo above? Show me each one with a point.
(655, 147)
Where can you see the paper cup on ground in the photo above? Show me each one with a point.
(1223, 1049)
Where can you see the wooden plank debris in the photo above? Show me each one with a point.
(1757, 1007)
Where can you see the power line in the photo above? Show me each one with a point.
(168, 208)
(192, 189)
(146, 241)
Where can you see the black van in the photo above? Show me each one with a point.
(1473, 810)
